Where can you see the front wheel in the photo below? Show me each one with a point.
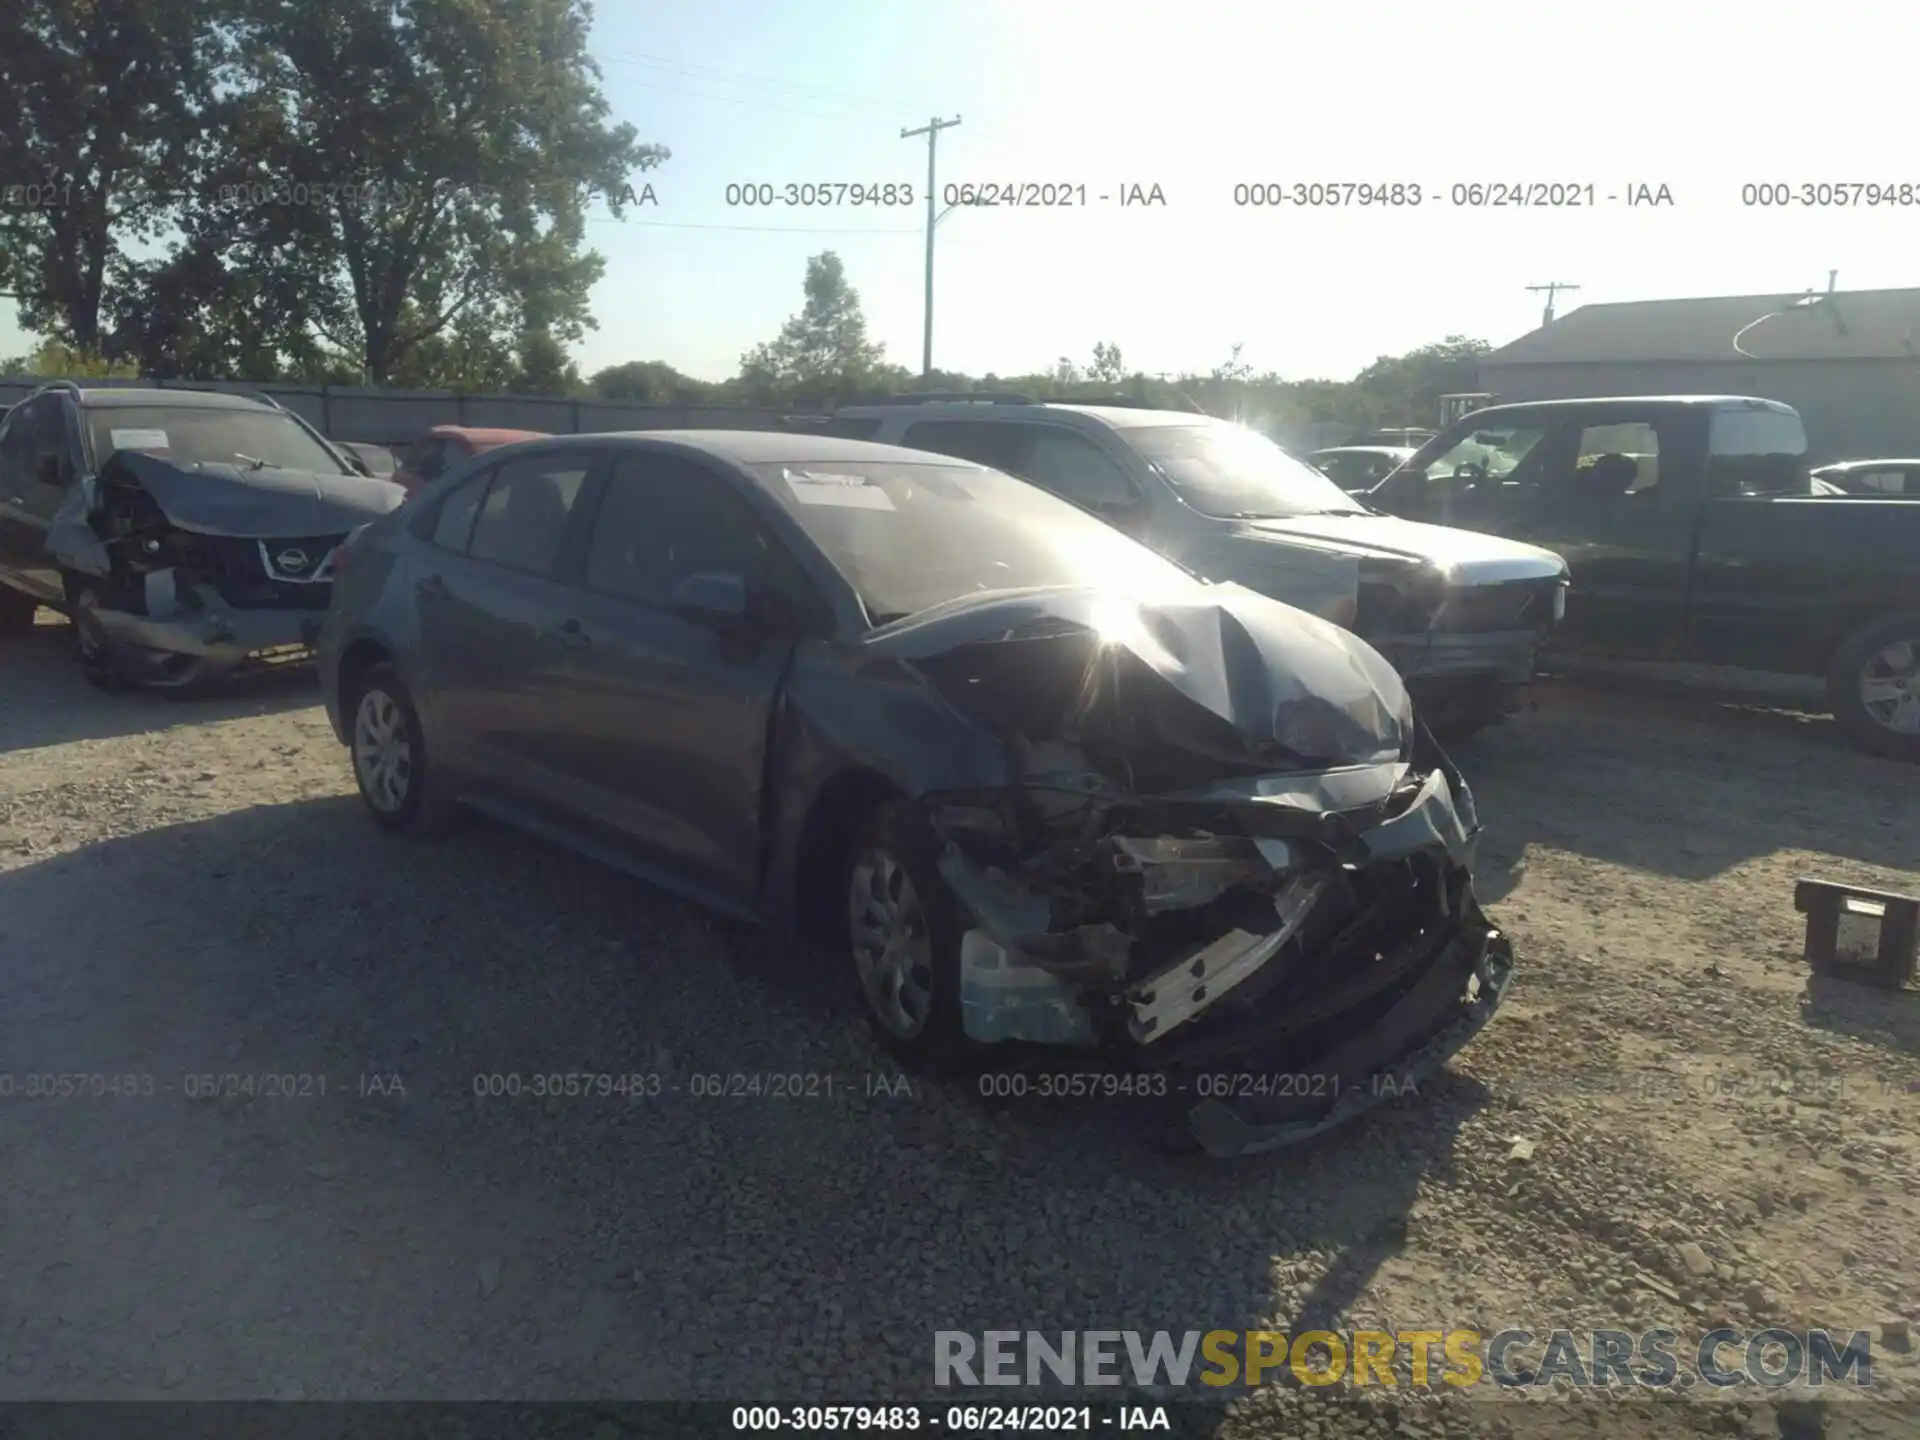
(390, 757)
(1874, 686)
(903, 939)
(91, 646)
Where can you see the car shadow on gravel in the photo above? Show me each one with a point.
(1677, 784)
(46, 701)
(742, 1200)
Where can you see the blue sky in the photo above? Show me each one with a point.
(1204, 94)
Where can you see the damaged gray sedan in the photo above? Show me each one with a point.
(189, 535)
(1034, 788)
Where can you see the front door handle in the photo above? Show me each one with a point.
(570, 632)
(430, 585)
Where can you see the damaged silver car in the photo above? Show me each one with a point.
(1036, 789)
(189, 535)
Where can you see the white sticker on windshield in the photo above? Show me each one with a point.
(850, 492)
(140, 440)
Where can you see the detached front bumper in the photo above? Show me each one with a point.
(205, 638)
(1253, 1110)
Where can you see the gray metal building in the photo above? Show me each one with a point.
(1848, 360)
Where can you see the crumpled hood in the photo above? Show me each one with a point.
(1281, 678)
(1466, 556)
(263, 504)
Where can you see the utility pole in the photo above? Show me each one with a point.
(932, 131)
(1553, 288)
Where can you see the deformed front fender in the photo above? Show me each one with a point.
(867, 722)
(71, 540)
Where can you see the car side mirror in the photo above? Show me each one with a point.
(712, 597)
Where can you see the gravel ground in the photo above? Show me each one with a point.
(191, 889)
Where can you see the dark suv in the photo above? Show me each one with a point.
(189, 534)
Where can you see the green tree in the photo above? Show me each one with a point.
(1107, 368)
(59, 359)
(1406, 389)
(822, 354)
(1234, 370)
(396, 170)
(106, 103)
(652, 382)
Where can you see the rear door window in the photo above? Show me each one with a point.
(1886, 482)
(523, 521)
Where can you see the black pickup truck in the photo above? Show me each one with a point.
(1694, 533)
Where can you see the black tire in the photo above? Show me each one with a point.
(91, 647)
(892, 848)
(1862, 658)
(397, 785)
(16, 614)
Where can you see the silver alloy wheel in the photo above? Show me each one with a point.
(892, 947)
(382, 752)
(1890, 687)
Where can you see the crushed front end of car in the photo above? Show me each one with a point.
(196, 572)
(1232, 854)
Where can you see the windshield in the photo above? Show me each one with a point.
(912, 536)
(191, 435)
(1233, 473)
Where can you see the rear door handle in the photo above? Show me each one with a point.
(570, 632)
(430, 585)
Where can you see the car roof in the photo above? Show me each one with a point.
(1865, 465)
(114, 397)
(486, 434)
(1118, 416)
(762, 447)
(1632, 402)
(1366, 450)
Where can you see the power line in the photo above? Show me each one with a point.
(932, 131)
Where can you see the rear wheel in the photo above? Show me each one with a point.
(1874, 686)
(389, 753)
(16, 614)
